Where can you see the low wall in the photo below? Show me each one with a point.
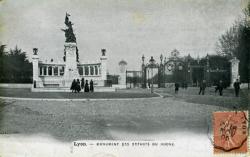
(15, 85)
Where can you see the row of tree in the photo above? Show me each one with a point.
(14, 66)
(235, 42)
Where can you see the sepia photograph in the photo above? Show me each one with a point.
(124, 78)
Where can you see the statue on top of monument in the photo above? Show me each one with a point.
(69, 33)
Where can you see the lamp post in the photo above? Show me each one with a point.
(164, 70)
(151, 66)
(144, 82)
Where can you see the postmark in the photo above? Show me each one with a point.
(230, 130)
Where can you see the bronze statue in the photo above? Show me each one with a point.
(69, 33)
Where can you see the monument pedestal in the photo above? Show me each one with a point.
(71, 71)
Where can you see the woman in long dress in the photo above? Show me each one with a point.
(78, 87)
(82, 83)
(91, 86)
(86, 86)
(73, 84)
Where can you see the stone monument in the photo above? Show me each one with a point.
(234, 70)
(58, 75)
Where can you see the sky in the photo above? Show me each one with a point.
(125, 28)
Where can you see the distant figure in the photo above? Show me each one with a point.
(186, 85)
(73, 85)
(82, 83)
(91, 85)
(78, 87)
(237, 87)
(202, 87)
(86, 86)
(148, 84)
(219, 87)
(176, 85)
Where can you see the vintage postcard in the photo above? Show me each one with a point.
(124, 78)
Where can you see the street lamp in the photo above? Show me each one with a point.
(151, 66)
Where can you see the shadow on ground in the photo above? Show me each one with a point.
(120, 94)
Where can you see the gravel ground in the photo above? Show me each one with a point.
(68, 121)
(185, 118)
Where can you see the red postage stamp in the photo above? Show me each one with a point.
(230, 131)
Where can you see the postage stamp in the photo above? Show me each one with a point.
(230, 130)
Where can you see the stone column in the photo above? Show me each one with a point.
(234, 70)
(89, 70)
(94, 70)
(52, 69)
(83, 70)
(42, 71)
(58, 71)
(103, 65)
(47, 70)
(99, 70)
(35, 59)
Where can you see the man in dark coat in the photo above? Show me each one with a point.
(237, 87)
(91, 85)
(86, 86)
(220, 87)
(73, 86)
(176, 85)
(202, 87)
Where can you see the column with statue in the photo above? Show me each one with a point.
(71, 56)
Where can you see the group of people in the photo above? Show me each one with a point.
(77, 86)
(219, 87)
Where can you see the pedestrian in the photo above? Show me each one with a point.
(73, 84)
(82, 83)
(148, 85)
(86, 86)
(220, 87)
(216, 87)
(91, 85)
(237, 87)
(202, 87)
(185, 85)
(176, 85)
(78, 87)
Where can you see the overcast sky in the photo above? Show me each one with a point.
(126, 28)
